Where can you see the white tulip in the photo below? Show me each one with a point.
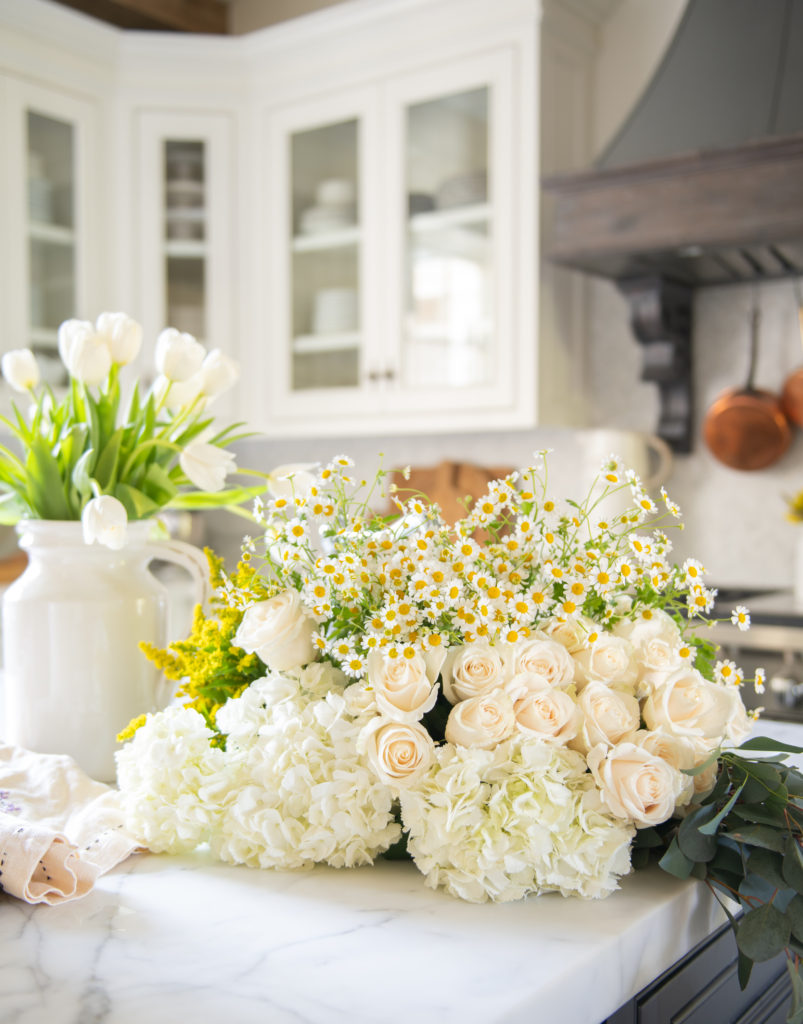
(218, 373)
(104, 521)
(89, 358)
(20, 369)
(291, 480)
(206, 466)
(178, 356)
(123, 336)
(70, 333)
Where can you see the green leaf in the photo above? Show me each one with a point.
(762, 814)
(765, 743)
(795, 914)
(46, 491)
(768, 865)
(698, 769)
(675, 862)
(158, 485)
(762, 780)
(82, 474)
(710, 827)
(693, 843)
(137, 504)
(106, 467)
(647, 838)
(745, 969)
(216, 499)
(758, 835)
(793, 864)
(763, 933)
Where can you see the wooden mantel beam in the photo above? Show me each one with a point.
(205, 16)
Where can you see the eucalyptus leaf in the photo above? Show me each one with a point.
(711, 826)
(793, 865)
(795, 914)
(765, 743)
(695, 844)
(762, 780)
(744, 969)
(763, 933)
(675, 862)
(762, 814)
(758, 835)
(768, 865)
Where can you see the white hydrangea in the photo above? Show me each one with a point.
(299, 792)
(170, 780)
(520, 818)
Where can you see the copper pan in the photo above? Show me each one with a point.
(746, 428)
(792, 395)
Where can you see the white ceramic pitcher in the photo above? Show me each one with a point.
(650, 456)
(72, 625)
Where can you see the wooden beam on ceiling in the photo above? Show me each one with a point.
(204, 16)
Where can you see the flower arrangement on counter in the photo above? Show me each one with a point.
(89, 455)
(526, 702)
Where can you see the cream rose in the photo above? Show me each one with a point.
(398, 753)
(656, 642)
(403, 687)
(546, 658)
(686, 704)
(548, 715)
(278, 631)
(610, 661)
(481, 721)
(608, 716)
(677, 751)
(569, 633)
(472, 670)
(635, 784)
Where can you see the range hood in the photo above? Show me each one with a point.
(703, 184)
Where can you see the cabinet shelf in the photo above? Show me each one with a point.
(185, 249)
(457, 217)
(305, 344)
(44, 337)
(342, 239)
(55, 234)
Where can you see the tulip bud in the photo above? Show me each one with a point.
(179, 395)
(70, 332)
(20, 369)
(123, 336)
(178, 356)
(104, 521)
(219, 373)
(206, 466)
(90, 359)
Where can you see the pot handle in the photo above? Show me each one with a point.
(191, 559)
(663, 454)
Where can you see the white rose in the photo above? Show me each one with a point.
(218, 373)
(610, 661)
(570, 633)
(206, 466)
(20, 369)
(472, 670)
(642, 629)
(608, 716)
(122, 335)
(635, 784)
(686, 704)
(104, 521)
(526, 682)
(548, 715)
(677, 751)
(178, 356)
(656, 641)
(705, 779)
(546, 658)
(403, 689)
(291, 480)
(481, 721)
(278, 631)
(85, 353)
(399, 753)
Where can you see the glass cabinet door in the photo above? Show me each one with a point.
(448, 321)
(184, 239)
(325, 244)
(52, 234)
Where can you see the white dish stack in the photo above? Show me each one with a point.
(335, 208)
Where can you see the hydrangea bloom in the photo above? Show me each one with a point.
(520, 818)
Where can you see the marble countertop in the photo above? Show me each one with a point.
(162, 939)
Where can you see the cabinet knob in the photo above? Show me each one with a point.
(390, 374)
(374, 376)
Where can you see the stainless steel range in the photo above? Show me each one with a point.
(774, 641)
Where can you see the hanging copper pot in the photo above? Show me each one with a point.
(746, 428)
(792, 395)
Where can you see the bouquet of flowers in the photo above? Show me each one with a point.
(89, 455)
(522, 702)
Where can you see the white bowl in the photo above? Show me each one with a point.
(334, 310)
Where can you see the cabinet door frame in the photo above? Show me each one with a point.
(494, 70)
(298, 411)
(154, 127)
(82, 114)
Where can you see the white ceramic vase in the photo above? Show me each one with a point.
(72, 625)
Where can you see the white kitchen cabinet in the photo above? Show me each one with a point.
(185, 248)
(49, 255)
(401, 261)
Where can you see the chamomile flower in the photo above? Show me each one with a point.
(740, 617)
(700, 600)
(759, 680)
(694, 572)
(672, 508)
(727, 672)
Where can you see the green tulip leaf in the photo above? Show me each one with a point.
(106, 468)
(137, 504)
(82, 474)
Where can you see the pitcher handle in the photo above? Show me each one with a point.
(191, 559)
(665, 458)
